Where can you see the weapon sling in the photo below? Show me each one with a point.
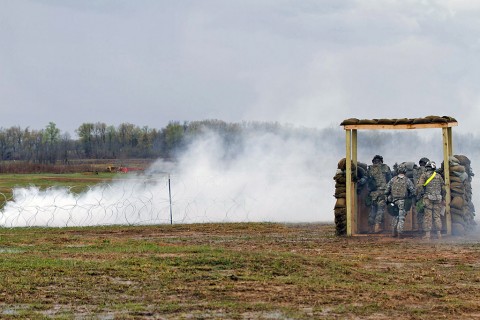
(430, 179)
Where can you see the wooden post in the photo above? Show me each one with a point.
(351, 157)
(170, 199)
(447, 152)
(354, 217)
(349, 180)
(450, 141)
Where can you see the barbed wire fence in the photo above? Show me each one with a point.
(159, 199)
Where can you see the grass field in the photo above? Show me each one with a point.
(228, 271)
(234, 271)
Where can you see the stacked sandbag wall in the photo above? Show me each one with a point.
(340, 209)
(461, 206)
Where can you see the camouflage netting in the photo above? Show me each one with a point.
(461, 206)
(425, 120)
(340, 209)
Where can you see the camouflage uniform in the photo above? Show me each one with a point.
(420, 213)
(433, 195)
(380, 174)
(398, 189)
(416, 175)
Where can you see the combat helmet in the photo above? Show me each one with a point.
(377, 157)
(402, 168)
(431, 165)
(423, 160)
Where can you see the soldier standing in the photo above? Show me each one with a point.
(378, 175)
(419, 210)
(431, 188)
(399, 188)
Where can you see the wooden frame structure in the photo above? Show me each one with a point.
(351, 157)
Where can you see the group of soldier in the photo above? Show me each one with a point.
(393, 188)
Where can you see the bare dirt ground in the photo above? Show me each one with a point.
(235, 271)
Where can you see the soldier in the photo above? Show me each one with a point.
(431, 188)
(419, 205)
(378, 176)
(399, 190)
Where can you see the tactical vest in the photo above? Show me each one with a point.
(433, 190)
(377, 172)
(399, 187)
(418, 173)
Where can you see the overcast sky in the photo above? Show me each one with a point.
(308, 63)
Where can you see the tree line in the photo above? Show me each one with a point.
(50, 146)
(102, 141)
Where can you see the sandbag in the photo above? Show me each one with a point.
(457, 185)
(386, 121)
(454, 178)
(340, 203)
(457, 168)
(452, 162)
(458, 229)
(421, 120)
(449, 119)
(367, 121)
(457, 219)
(457, 202)
(436, 119)
(463, 176)
(340, 179)
(349, 121)
(456, 211)
(457, 192)
(463, 160)
(341, 189)
(403, 121)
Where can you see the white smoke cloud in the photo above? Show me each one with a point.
(278, 176)
(272, 178)
(269, 177)
(127, 202)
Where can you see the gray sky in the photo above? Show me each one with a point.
(309, 63)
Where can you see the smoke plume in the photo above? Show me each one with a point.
(281, 175)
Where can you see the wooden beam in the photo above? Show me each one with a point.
(450, 142)
(354, 220)
(348, 170)
(399, 126)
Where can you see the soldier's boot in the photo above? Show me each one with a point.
(401, 235)
(439, 234)
(377, 228)
(426, 236)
